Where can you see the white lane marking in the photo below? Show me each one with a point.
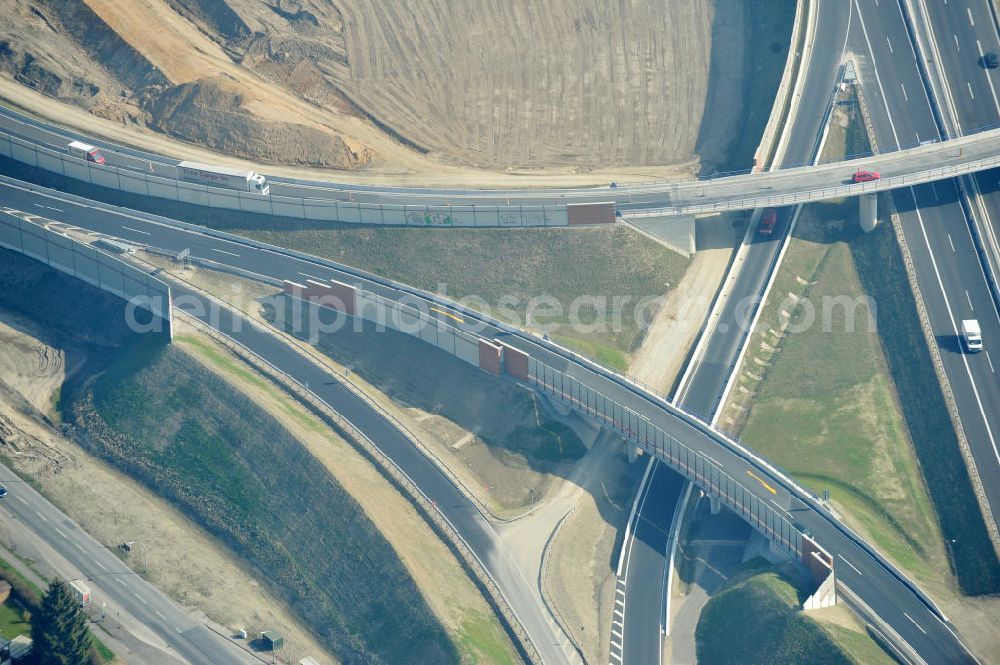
(878, 79)
(41, 517)
(972, 22)
(129, 228)
(222, 251)
(954, 327)
(77, 546)
(120, 581)
(990, 361)
(969, 298)
(21, 500)
(853, 567)
(318, 279)
(889, 43)
(141, 600)
(903, 88)
(950, 242)
(914, 623)
(934, 189)
(61, 534)
(986, 73)
(779, 506)
(103, 567)
(160, 615)
(971, 94)
(957, 47)
(39, 205)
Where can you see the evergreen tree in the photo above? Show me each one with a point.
(59, 629)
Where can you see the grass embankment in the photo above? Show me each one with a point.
(755, 619)
(164, 418)
(498, 430)
(500, 271)
(857, 412)
(826, 407)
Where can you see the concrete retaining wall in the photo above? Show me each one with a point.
(93, 266)
(164, 186)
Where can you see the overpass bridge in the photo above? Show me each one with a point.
(761, 493)
(44, 146)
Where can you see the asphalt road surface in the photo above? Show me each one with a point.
(870, 577)
(937, 233)
(109, 577)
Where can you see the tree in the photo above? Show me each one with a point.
(59, 629)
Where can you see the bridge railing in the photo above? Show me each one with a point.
(156, 185)
(693, 464)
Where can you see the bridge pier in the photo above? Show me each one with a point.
(868, 209)
(633, 452)
(714, 504)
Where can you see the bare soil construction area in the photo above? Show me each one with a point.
(570, 85)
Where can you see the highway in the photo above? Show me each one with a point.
(110, 578)
(884, 590)
(787, 186)
(950, 275)
(716, 354)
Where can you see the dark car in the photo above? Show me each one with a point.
(768, 221)
(3, 491)
(991, 60)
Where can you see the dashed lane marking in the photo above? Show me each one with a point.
(919, 627)
(853, 567)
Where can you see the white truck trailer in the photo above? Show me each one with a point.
(972, 336)
(221, 176)
(85, 151)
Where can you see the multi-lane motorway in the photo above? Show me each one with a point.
(701, 387)
(948, 269)
(950, 274)
(881, 587)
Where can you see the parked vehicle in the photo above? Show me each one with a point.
(81, 592)
(85, 151)
(768, 221)
(221, 176)
(865, 176)
(972, 336)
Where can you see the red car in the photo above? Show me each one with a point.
(865, 176)
(767, 222)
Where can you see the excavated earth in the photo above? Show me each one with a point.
(516, 85)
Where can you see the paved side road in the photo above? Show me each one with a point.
(74, 554)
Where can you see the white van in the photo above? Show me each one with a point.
(972, 336)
